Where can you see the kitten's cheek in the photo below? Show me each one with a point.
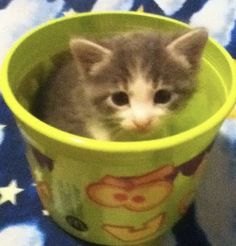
(128, 125)
(158, 123)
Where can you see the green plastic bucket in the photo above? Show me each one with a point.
(115, 193)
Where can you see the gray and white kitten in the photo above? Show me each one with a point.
(122, 86)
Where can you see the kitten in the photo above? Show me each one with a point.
(122, 86)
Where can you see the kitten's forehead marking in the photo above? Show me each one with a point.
(140, 87)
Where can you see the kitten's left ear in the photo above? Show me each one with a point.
(89, 56)
(188, 47)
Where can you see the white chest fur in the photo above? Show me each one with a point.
(97, 131)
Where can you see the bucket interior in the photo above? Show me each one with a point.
(33, 60)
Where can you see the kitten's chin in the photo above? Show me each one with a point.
(143, 131)
(140, 133)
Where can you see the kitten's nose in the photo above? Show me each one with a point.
(142, 125)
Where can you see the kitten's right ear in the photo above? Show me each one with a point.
(89, 56)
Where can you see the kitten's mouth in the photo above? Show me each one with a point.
(147, 130)
(142, 130)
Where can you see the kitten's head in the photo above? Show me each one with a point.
(136, 79)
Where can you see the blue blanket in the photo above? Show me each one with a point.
(211, 220)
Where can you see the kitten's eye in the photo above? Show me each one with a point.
(120, 98)
(162, 96)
